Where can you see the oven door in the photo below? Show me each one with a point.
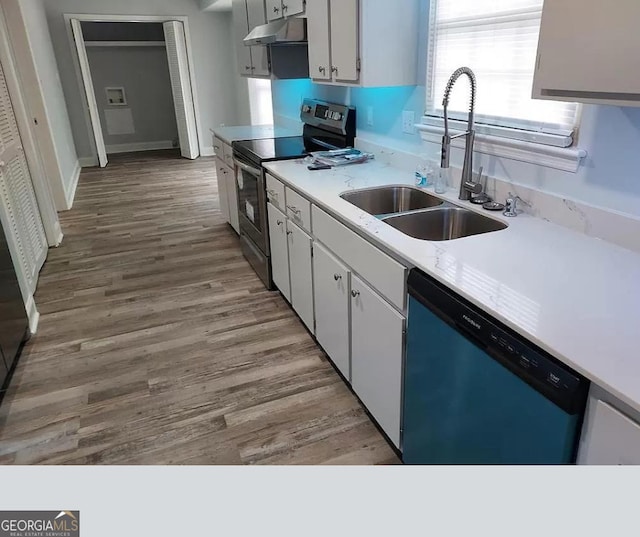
(252, 202)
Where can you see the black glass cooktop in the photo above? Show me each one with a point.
(272, 148)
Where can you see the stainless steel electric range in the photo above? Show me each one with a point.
(326, 126)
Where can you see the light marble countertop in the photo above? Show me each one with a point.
(253, 132)
(575, 296)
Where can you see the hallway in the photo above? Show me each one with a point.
(158, 344)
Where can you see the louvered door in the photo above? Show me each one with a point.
(182, 90)
(18, 196)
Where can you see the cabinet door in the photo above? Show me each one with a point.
(260, 64)
(223, 196)
(610, 437)
(377, 341)
(279, 250)
(319, 44)
(301, 271)
(593, 55)
(232, 196)
(241, 29)
(331, 305)
(256, 13)
(344, 40)
(259, 54)
(274, 9)
(292, 7)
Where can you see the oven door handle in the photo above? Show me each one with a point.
(247, 168)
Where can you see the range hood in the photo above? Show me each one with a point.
(281, 32)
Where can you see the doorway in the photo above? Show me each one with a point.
(137, 80)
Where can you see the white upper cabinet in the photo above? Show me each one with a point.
(259, 54)
(318, 29)
(345, 51)
(277, 9)
(587, 52)
(368, 43)
(252, 61)
(274, 9)
(293, 7)
(241, 29)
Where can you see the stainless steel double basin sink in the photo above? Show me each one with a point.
(420, 215)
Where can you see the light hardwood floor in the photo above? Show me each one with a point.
(157, 343)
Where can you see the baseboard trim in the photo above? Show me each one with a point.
(70, 191)
(139, 146)
(33, 315)
(87, 162)
(207, 151)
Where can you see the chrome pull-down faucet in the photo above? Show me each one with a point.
(467, 185)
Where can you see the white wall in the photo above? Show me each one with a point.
(143, 72)
(215, 76)
(44, 96)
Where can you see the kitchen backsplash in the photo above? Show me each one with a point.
(617, 228)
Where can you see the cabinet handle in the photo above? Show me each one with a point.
(322, 69)
(355, 294)
(284, 8)
(337, 277)
(272, 193)
(279, 222)
(293, 209)
(276, 9)
(334, 69)
(289, 232)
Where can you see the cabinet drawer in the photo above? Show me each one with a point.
(611, 437)
(386, 275)
(228, 155)
(275, 192)
(298, 209)
(218, 147)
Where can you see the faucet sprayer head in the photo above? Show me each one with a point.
(452, 80)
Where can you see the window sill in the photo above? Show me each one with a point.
(561, 158)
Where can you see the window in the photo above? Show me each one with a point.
(260, 103)
(498, 40)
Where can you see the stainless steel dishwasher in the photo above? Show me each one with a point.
(475, 392)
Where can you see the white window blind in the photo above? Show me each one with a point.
(498, 40)
(260, 102)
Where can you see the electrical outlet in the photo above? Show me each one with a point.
(370, 116)
(408, 121)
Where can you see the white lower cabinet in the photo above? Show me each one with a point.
(223, 197)
(291, 263)
(609, 437)
(279, 250)
(331, 297)
(377, 341)
(301, 273)
(227, 194)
